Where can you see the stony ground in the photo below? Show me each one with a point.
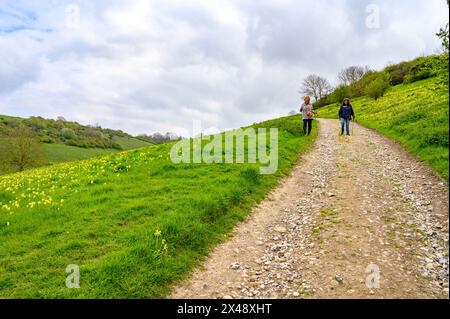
(357, 218)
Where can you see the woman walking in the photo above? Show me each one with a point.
(307, 111)
(346, 114)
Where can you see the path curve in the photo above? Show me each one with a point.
(352, 208)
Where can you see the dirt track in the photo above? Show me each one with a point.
(352, 206)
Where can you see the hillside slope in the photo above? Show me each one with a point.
(416, 115)
(134, 221)
(65, 132)
(60, 153)
(65, 141)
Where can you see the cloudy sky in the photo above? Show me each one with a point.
(145, 66)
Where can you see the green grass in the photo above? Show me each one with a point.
(129, 143)
(114, 215)
(416, 115)
(59, 153)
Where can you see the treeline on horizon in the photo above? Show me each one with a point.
(61, 131)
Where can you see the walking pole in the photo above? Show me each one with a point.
(339, 128)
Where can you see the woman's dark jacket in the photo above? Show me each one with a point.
(346, 112)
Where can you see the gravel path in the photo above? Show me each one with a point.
(357, 218)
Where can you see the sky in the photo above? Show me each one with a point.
(147, 66)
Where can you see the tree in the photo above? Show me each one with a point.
(378, 87)
(68, 133)
(443, 34)
(352, 74)
(158, 138)
(340, 93)
(21, 149)
(358, 88)
(316, 86)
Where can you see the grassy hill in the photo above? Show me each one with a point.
(65, 132)
(59, 153)
(133, 221)
(416, 115)
(129, 143)
(68, 141)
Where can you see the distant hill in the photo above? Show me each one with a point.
(65, 141)
(70, 133)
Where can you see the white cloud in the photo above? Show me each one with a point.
(146, 66)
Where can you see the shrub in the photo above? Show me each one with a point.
(358, 88)
(94, 133)
(442, 68)
(419, 69)
(340, 93)
(321, 103)
(378, 87)
(68, 133)
(21, 149)
(398, 72)
(47, 140)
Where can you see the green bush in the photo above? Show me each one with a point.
(340, 93)
(47, 140)
(358, 88)
(68, 133)
(398, 72)
(321, 103)
(378, 87)
(418, 69)
(441, 66)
